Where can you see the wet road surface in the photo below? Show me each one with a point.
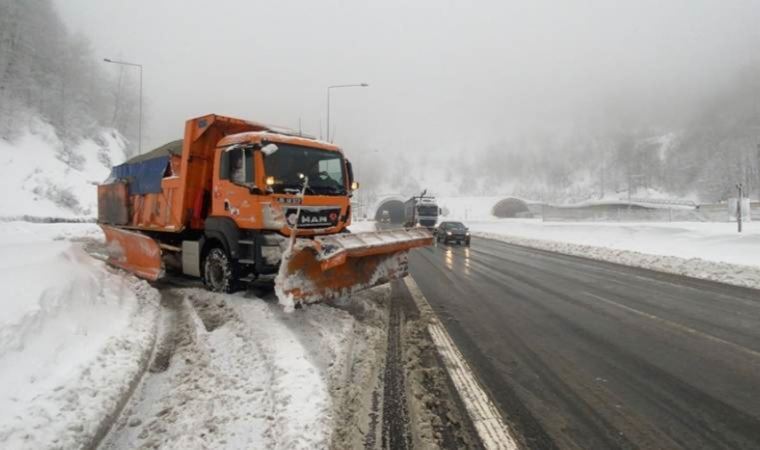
(584, 354)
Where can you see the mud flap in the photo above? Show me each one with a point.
(133, 252)
(330, 267)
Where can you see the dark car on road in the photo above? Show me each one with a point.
(452, 232)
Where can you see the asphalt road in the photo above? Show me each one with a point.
(584, 354)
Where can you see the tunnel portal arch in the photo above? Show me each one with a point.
(395, 209)
(511, 207)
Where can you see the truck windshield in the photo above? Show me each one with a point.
(323, 167)
(427, 210)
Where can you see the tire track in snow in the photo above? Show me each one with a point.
(232, 387)
(396, 433)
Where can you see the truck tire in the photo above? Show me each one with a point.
(219, 274)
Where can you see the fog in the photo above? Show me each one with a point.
(445, 77)
(482, 68)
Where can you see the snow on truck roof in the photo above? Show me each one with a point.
(276, 136)
(174, 148)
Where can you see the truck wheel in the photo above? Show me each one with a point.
(218, 271)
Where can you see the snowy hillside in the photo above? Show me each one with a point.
(43, 178)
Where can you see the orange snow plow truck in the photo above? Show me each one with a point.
(235, 200)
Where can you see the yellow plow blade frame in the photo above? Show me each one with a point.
(133, 252)
(329, 267)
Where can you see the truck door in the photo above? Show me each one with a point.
(235, 191)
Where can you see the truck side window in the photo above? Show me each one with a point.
(237, 166)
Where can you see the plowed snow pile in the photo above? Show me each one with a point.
(712, 251)
(74, 335)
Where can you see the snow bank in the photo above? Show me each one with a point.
(74, 335)
(713, 251)
(42, 177)
(361, 226)
(468, 208)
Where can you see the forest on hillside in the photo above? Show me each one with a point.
(50, 74)
(701, 156)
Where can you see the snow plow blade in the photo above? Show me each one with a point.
(133, 252)
(330, 267)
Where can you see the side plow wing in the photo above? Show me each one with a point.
(133, 252)
(329, 267)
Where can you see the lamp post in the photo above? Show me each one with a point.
(139, 124)
(336, 86)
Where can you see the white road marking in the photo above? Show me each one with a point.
(490, 426)
(678, 326)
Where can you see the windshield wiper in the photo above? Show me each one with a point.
(328, 189)
(295, 188)
(335, 190)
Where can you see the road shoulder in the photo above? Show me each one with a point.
(475, 414)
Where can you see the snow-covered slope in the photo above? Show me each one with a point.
(467, 208)
(43, 178)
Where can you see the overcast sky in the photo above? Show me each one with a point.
(441, 73)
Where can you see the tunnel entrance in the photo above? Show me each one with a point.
(395, 209)
(511, 207)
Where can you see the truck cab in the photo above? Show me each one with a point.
(427, 212)
(421, 211)
(267, 186)
(258, 179)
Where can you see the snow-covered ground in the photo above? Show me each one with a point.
(713, 251)
(468, 208)
(85, 348)
(360, 226)
(242, 373)
(74, 335)
(43, 178)
(710, 241)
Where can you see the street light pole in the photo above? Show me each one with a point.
(739, 207)
(335, 86)
(139, 124)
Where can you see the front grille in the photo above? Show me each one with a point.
(313, 217)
